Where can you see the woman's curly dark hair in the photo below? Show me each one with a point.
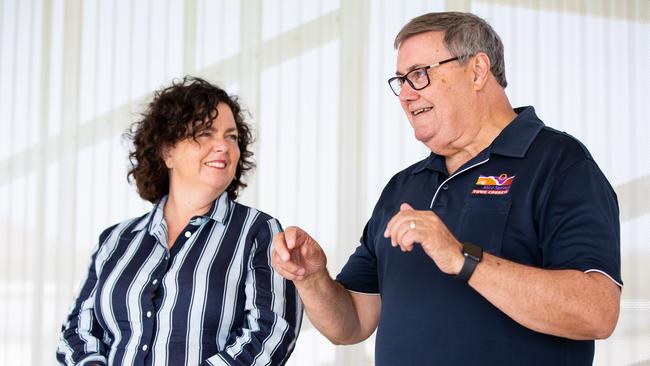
(182, 110)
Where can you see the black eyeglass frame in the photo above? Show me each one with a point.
(405, 77)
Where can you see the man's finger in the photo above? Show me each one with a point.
(289, 267)
(280, 246)
(405, 207)
(288, 275)
(401, 230)
(390, 227)
(407, 241)
(291, 237)
(393, 225)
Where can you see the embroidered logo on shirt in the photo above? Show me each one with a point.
(492, 184)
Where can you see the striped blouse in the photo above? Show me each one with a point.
(213, 299)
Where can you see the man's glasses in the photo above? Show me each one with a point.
(418, 78)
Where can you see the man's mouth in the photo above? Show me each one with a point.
(421, 110)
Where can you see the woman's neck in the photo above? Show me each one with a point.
(180, 208)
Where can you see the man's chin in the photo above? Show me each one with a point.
(436, 147)
(422, 136)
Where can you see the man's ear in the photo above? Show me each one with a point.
(167, 156)
(480, 66)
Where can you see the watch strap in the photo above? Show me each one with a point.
(471, 261)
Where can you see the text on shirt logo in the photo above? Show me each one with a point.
(493, 185)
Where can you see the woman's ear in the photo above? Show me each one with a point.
(167, 156)
(480, 64)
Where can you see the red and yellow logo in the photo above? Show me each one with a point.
(492, 185)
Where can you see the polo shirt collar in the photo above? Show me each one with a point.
(513, 141)
(432, 162)
(518, 135)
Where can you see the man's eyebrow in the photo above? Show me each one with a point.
(231, 129)
(413, 67)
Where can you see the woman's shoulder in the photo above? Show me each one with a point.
(125, 227)
(260, 221)
(258, 214)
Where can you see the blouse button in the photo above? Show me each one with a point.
(188, 234)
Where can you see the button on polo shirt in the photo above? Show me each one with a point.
(536, 197)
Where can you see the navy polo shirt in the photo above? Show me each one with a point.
(535, 196)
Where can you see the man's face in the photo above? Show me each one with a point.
(437, 113)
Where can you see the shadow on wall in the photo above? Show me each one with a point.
(634, 198)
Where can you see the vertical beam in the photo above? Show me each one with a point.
(7, 102)
(458, 5)
(3, 226)
(250, 73)
(38, 161)
(189, 36)
(67, 151)
(351, 143)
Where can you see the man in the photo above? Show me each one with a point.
(501, 247)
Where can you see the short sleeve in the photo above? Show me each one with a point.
(580, 222)
(360, 272)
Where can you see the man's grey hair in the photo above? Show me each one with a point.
(465, 35)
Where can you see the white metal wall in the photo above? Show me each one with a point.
(74, 74)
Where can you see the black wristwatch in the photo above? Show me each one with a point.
(473, 255)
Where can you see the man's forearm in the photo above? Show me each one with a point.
(564, 303)
(330, 308)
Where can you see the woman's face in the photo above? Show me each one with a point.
(207, 165)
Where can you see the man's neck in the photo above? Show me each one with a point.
(493, 121)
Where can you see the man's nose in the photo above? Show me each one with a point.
(407, 92)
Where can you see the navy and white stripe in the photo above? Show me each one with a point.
(213, 299)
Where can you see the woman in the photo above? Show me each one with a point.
(190, 282)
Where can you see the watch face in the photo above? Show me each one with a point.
(473, 251)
